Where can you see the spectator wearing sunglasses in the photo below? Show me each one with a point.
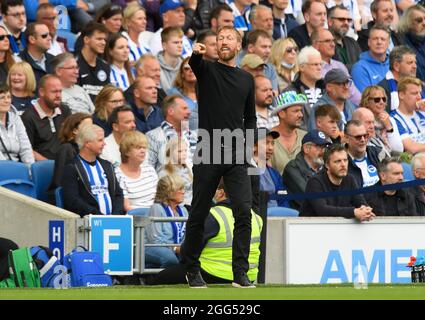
(284, 58)
(402, 64)
(412, 27)
(347, 50)
(6, 55)
(38, 42)
(363, 160)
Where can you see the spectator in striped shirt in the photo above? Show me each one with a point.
(137, 180)
(117, 54)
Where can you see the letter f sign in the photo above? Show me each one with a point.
(107, 246)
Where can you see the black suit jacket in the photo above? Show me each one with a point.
(76, 192)
(38, 71)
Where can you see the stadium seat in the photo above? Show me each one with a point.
(58, 197)
(281, 212)
(407, 171)
(15, 176)
(139, 212)
(42, 174)
(70, 37)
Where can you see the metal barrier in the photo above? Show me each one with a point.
(139, 245)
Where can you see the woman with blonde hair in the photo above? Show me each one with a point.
(135, 23)
(185, 86)
(168, 204)
(284, 57)
(137, 180)
(21, 80)
(176, 163)
(109, 98)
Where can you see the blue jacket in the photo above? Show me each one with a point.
(278, 185)
(368, 71)
(153, 121)
(290, 23)
(32, 5)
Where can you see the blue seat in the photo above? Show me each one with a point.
(407, 171)
(282, 212)
(15, 176)
(71, 38)
(58, 197)
(139, 212)
(42, 174)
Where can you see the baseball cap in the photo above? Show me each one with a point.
(288, 99)
(336, 76)
(252, 61)
(317, 137)
(261, 133)
(167, 5)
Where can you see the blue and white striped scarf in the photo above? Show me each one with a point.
(241, 19)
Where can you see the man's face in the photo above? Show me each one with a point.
(313, 68)
(339, 91)
(225, 19)
(97, 42)
(180, 111)
(378, 42)
(418, 22)
(325, 44)
(68, 73)
(368, 120)
(49, 17)
(264, 20)
(174, 46)
(407, 66)
(357, 139)
(337, 164)
(316, 17)
(146, 91)
(52, 93)
(41, 38)
(340, 22)
(259, 71)
(227, 45)
(211, 47)
(263, 92)
(385, 13)
(419, 171)
(328, 126)
(262, 48)
(15, 18)
(394, 174)
(266, 145)
(152, 69)
(125, 122)
(292, 116)
(174, 18)
(410, 96)
(96, 146)
(314, 152)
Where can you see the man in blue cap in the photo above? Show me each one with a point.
(173, 14)
(307, 163)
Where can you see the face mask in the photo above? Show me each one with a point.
(287, 65)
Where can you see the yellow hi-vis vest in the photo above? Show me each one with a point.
(216, 258)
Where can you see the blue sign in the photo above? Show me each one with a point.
(112, 238)
(56, 237)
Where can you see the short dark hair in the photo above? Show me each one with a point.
(5, 4)
(204, 35)
(217, 11)
(255, 34)
(383, 165)
(380, 26)
(168, 102)
(338, 6)
(92, 27)
(30, 30)
(307, 5)
(352, 123)
(330, 150)
(113, 117)
(4, 88)
(397, 54)
(327, 110)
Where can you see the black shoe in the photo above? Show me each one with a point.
(242, 281)
(194, 279)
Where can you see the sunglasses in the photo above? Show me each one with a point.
(44, 35)
(186, 68)
(419, 20)
(378, 99)
(359, 137)
(2, 37)
(340, 19)
(291, 49)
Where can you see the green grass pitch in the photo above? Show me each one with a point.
(222, 292)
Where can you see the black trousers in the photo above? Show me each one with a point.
(5, 246)
(206, 178)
